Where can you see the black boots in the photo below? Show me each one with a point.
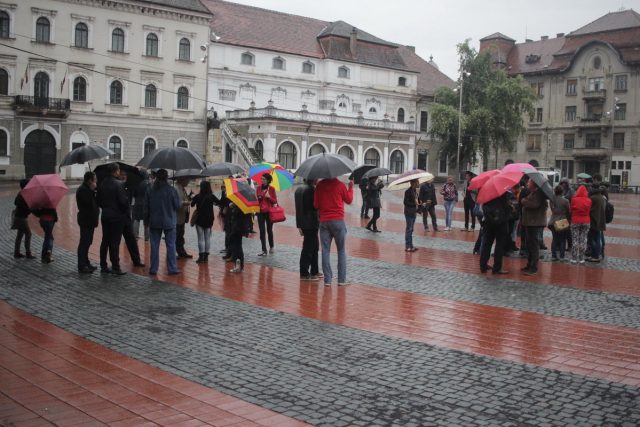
(203, 258)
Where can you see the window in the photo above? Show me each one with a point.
(402, 81)
(538, 89)
(443, 165)
(570, 114)
(397, 161)
(247, 59)
(183, 98)
(79, 89)
(115, 93)
(184, 50)
(5, 22)
(627, 165)
(372, 157)
(534, 142)
(596, 83)
(597, 62)
(592, 140)
(115, 145)
(4, 143)
(326, 104)
(150, 96)
(566, 168)
(287, 155)
(4, 82)
(569, 141)
(594, 111)
(308, 67)
(343, 72)
(149, 145)
(424, 121)
(618, 141)
(278, 63)
(41, 85)
(400, 115)
(373, 110)
(621, 83)
(182, 143)
(346, 151)
(316, 149)
(117, 40)
(621, 112)
(572, 84)
(259, 148)
(536, 117)
(82, 35)
(43, 30)
(152, 45)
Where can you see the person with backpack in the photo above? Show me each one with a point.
(597, 224)
(580, 222)
(496, 214)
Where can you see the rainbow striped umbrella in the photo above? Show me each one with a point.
(281, 178)
(242, 195)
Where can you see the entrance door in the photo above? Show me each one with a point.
(39, 153)
(592, 167)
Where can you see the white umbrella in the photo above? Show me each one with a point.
(404, 180)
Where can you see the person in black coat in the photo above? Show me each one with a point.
(88, 214)
(239, 228)
(128, 233)
(374, 188)
(495, 228)
(21, 225)
(113, 200)
(204, 202)
(308, 223)
(427, 196)
(468, 203)
(411, 203)
(138, 207)
(364, 210)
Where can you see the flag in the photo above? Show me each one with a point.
(25, 78)
(64, 79)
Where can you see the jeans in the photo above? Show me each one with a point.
(86, 238)
(47, 244)
(136, 229)
(111, 237)
(558, 243)
(429, 211)
(170, 242)
(408, 232)
(204, 239)
(595, 243)
(330, 230)
(448, 208)
(266, 228)
(373, 222)
(309, 253)
(533, 246)
(491, 232)
(22, 226)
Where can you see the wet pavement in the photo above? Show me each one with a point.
(416, 339)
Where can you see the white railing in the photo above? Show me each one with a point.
(236, 143)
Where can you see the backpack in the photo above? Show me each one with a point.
(608, 212)
(494, 212)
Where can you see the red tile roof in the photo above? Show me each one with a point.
(430, 77)
(609, 22)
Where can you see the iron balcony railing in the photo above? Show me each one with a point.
(41, 103)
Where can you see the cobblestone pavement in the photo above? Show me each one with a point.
(299, 350)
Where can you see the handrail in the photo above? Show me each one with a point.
(237, 143)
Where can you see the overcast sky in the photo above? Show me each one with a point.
(435, 28)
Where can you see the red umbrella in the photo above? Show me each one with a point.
(44, 191)
(478, 181)
(497, 185)
(518, 167)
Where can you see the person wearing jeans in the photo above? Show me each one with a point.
(48, 218)
(329, 199)
(411, 203)
(450, 193)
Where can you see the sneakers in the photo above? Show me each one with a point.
(530, 272)
(237, 268)
(262, 254)
(573, 261)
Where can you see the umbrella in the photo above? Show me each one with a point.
(223, 169)
(542, 182)
(44, 191)
(584, 175)
(473, 174)
(360, 171)
(497, 185)
(85, 153)
(518, 167)
(478, 181)
(403, 181)
(377, 172)
(325, 165)
(242, 195)
(174, 158)
(281, 178)
(134, 175)
(190, 173)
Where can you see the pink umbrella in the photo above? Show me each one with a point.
(497, 185)
(519, 167)
(478, 181)
(44, 191)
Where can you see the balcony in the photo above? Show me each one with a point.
(592, 153)
(592, 95)
(37, 106)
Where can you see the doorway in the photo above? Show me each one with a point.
(39, 153)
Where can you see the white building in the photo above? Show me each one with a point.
(123, 73)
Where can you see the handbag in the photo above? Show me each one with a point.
(561, 225)
(194, 217)
(13, 220)
(276, 214)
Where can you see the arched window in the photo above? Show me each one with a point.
(259, 148)
(115, 93)
(115, 145)
(397, 161)
(82, 35)
(5, 23)
(182, 143)
(402, 81)
(343, 72)
(373, 110)
(152, 45)
(278, 63)
(183, 98)
(308, 67)
(400, 115)
(372, 157)
(43, 30)
(316, 149)
(4, 143)
(79, 89)
(41, 85)
(150, 96)
(534, 163)
(228, 153)
(346, 151)
(597, 62)
(247, 59)
(149, 145)
(184, 51)
(4, 82)
(117, 40)
(287, 155)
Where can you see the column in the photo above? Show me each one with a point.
(359, 154)
(269, 144)
(385, 156)
(410, 159)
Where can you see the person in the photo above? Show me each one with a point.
(513, 222)
(580, 223)
(374, 188)
(568, 194)
(204, 202)
(597, 223)
(329, 199)
(427, 197)
(239, 228)
(113, 200)
(182, 216)
(138, 207)
(411, 203)
(450, 193)
(524, 192)
(87, 217)
(308, 224)
(128, 234)
(364, 210)
(223, 213)
(21, 225)
(495, 227)
(534, 218)
(48, 218)
(266, 198)
(468, 203)
(162, 203)
(560, 209)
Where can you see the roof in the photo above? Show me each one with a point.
(609, 22)
(342, 29)
(544, 49)
(429, 77)
(497, 36)
(193, 5)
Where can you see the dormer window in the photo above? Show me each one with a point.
(532, 59)
(278, 63)
(247, 59)
(308, 67)
(343, 72)
(402, 81)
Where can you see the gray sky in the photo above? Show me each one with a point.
(435, 27)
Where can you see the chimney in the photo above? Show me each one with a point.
(544, 38)
(528, 40)
(560, 35)
(353, 39)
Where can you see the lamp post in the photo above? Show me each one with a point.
(462, 76)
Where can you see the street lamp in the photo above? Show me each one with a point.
(462, 76)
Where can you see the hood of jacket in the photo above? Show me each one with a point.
(582, 192)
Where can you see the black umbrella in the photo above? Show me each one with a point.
(542, 182)
(377, 172)
(325, 165)
(189, 173)
(360, 171)
(85, 153)
(134, 175)
(174, 158)
(225, 169)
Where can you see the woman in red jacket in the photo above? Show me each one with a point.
(580, 222)
(267, 198)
